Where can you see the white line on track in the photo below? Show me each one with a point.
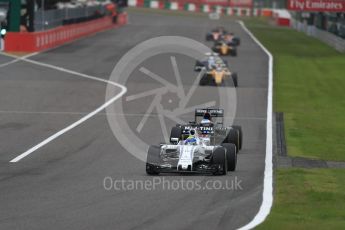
(109, 114)
(267, 194)
(9, 63)
(80, 121)
(16, 58)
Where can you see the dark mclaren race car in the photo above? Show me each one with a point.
(215, 34)
(221, 34)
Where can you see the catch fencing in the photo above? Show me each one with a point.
(49, 19)
(336, 42)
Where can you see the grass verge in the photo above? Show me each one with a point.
(309, 80)
(308, 199)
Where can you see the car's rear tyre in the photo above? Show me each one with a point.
(231, 156)
(233, 137)
(237, 41)
(176, 132)
(239, 128)
(152, 160)
(219, 159)
(233, 52)
(234, 79)
(205, 80)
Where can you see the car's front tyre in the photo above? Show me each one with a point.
(239, 128)
(152, 160)
(219, 159)
(234, 79)
(231, 156)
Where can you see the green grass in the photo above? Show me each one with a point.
(308, 199)
(309, 87)
(309, 78)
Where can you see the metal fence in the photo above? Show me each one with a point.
(336, 42)
(49, 19)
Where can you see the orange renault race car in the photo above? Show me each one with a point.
(223, 48)
(220, 76)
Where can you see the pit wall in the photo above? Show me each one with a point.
(38, 41)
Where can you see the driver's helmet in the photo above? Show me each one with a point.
(191, 139)
(211, 61)
(192, 132)
(206, 119)
(207, 116)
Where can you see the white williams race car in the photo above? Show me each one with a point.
(194, 149)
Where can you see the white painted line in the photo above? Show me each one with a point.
(72, 72)
(9, 63)
(267, 194)
(116, 114)
(16, 58)
(19, 57)
(83, 119)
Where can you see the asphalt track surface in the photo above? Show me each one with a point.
(60, 186)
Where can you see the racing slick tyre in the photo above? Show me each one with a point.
(233, 137)
(239, 128)
(152, 160)
(233, 52)
(234, 79)
(205, 80)
(231, 156)
(176, 132)
(219, 158)
(209, 37)
(236, 41)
